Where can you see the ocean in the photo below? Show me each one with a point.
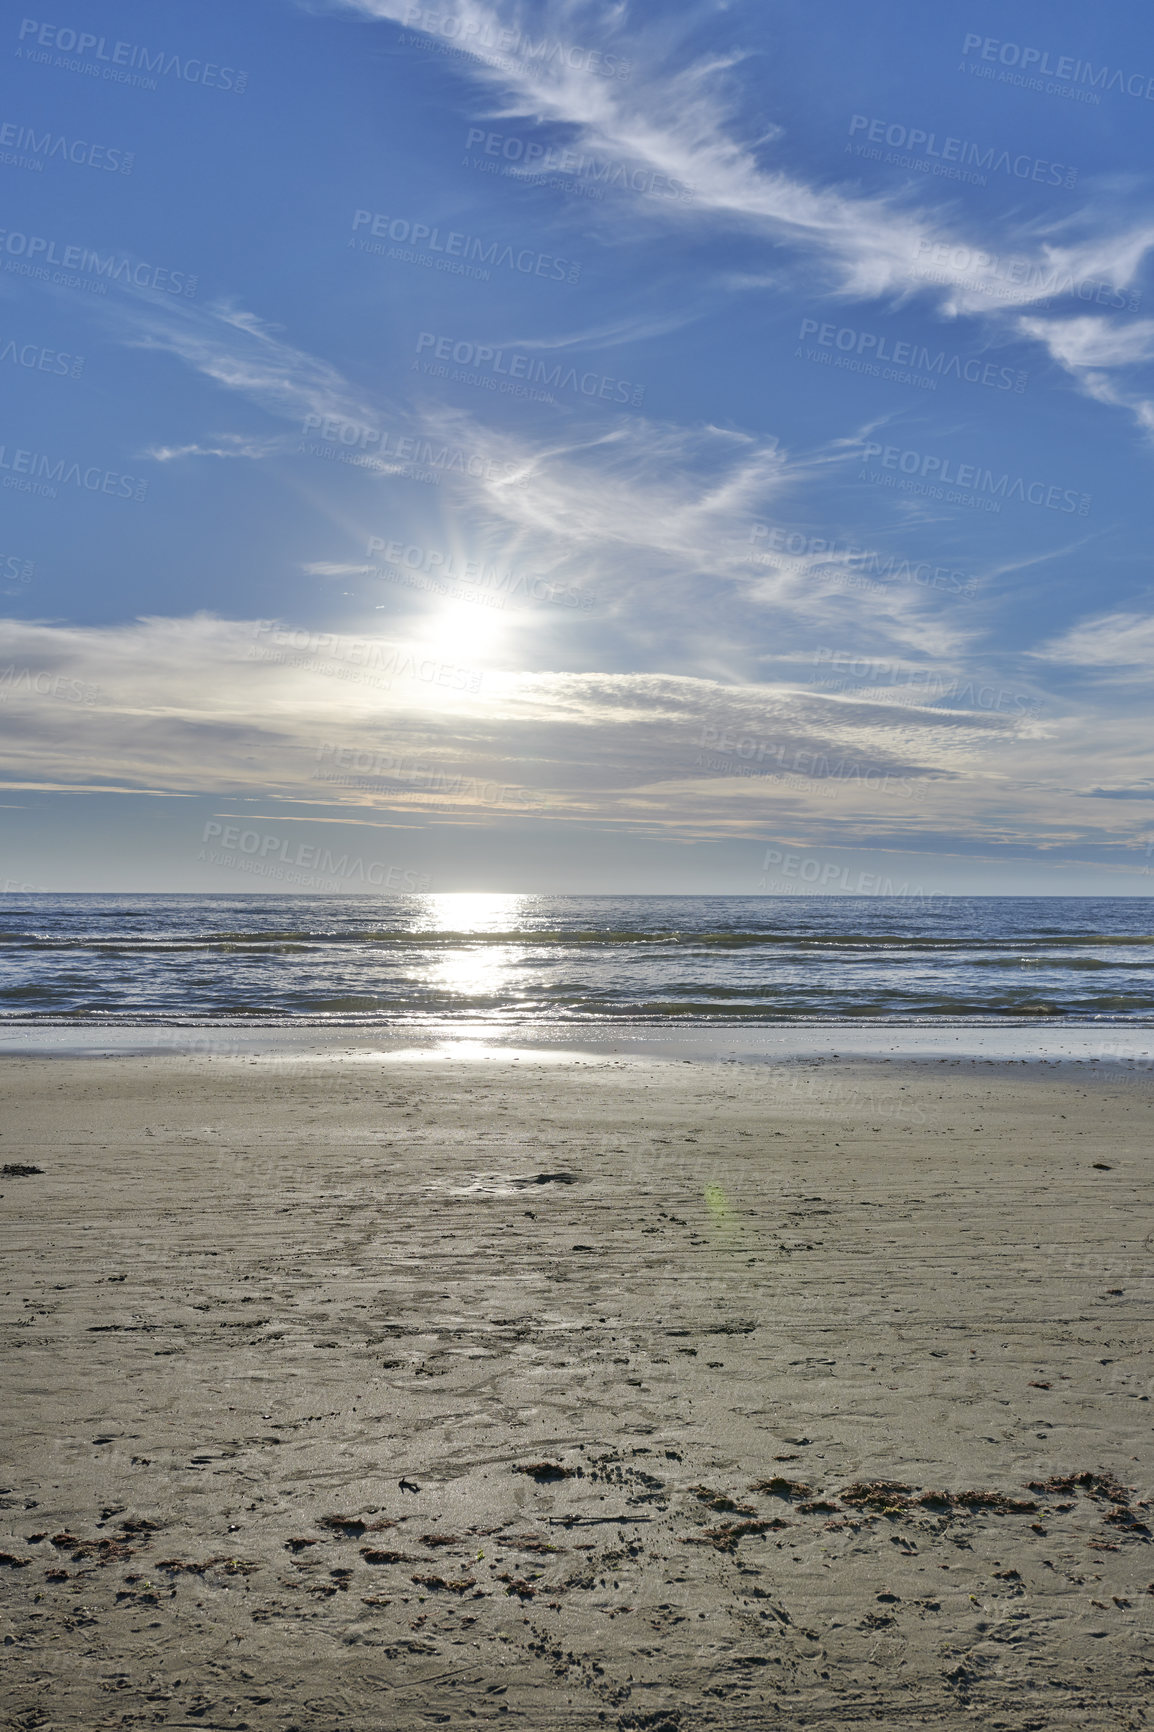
(489, 961)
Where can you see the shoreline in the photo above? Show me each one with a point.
(1124, 1047)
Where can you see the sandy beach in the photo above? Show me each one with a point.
(634, 1395)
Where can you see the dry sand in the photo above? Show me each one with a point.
(645, 1337)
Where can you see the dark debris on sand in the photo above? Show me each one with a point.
(544, 1471)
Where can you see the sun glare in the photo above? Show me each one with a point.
(474, 971)
(466, 632)
(472, 911)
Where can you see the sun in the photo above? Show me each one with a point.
(466, 632)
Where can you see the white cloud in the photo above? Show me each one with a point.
(641, 508)
(226, 445)
(238, 351)
(679, 120)
(1092, 342)
(202, 704)
(1086, 346)
(658, 522)
(636, 329)
(1113, 642)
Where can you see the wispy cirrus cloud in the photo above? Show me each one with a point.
(1092, 341)
(1087, 347)
(655, 517)
(642, 510)
(613, 332)
(240, 352)
(679, 115)
(1119, 644)
(658, 520)
(225, 445)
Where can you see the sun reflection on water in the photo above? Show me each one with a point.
(473, 970)
(472, 911)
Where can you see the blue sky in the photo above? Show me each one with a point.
(576, 447)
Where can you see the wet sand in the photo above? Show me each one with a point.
(630, 1395)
